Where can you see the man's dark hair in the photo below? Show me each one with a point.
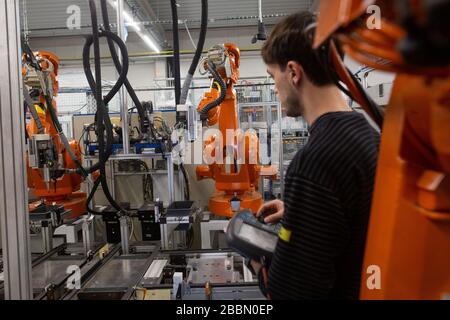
(291, 40)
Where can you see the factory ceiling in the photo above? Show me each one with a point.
(46, 18)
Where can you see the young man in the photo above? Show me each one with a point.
(329, 184)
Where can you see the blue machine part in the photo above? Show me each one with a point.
(139, 148)
(157, 147)
(93, 148)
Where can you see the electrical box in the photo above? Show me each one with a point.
(149, 217)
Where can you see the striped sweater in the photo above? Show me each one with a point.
(328, 192)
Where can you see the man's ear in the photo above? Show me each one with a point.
(295, 71)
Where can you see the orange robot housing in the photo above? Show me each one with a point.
(409, 232)
(64, 189)
(231, 179)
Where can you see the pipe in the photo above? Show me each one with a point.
(33, 111)
(223, 91)
(198, 53)
(260, 11)
(115, 88)
(103, 121)
(123, 98)
(142, 118)
(176, 51)
(62, 136)
(87, 66)
(53, 116)
(91, 196)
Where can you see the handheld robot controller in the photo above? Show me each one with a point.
(251, 237)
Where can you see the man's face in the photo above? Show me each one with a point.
(285, 90)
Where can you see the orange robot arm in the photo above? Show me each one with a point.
(409, 231)
(47, 158)
(231, 179)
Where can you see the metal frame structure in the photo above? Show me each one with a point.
(166, 232)
(167, 156)
(207, 225)
(13, 188)
(246, 289)
(266, 107)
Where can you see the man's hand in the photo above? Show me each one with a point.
(272, 211)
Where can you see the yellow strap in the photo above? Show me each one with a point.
(39, 109)
(285, 234)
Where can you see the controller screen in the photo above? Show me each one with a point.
(258, 237)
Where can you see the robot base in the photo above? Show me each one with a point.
(219, 203)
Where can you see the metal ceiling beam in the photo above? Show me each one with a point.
(144, 4)
(156, 31)
(212, 21)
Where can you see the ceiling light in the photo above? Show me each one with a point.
(149, 42)
(130, 22)
(127, 17)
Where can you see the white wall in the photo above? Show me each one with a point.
(251, 62)
(374, 78)
(142, 70)
(70, 51)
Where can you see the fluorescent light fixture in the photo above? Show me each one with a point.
(127, 17)
(130, 21)
(149, 42)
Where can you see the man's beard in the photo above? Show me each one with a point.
(293, 106)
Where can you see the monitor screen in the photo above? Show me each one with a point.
(258, 237)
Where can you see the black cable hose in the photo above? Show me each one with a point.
(92, 85)
(375, 109)
(147, 181)
(122, 74)
(103, 121)
(57, 124)
(198, 52)
(142, 117)
(102, 112)
(186, 181)
(323, 58)
(202, 37)
(114, 90)
(373, 106)
(30, 55)
(48, 101)
(223, 91)
(334, 76)
(176, 51)
(88, 73)
(91, 196)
